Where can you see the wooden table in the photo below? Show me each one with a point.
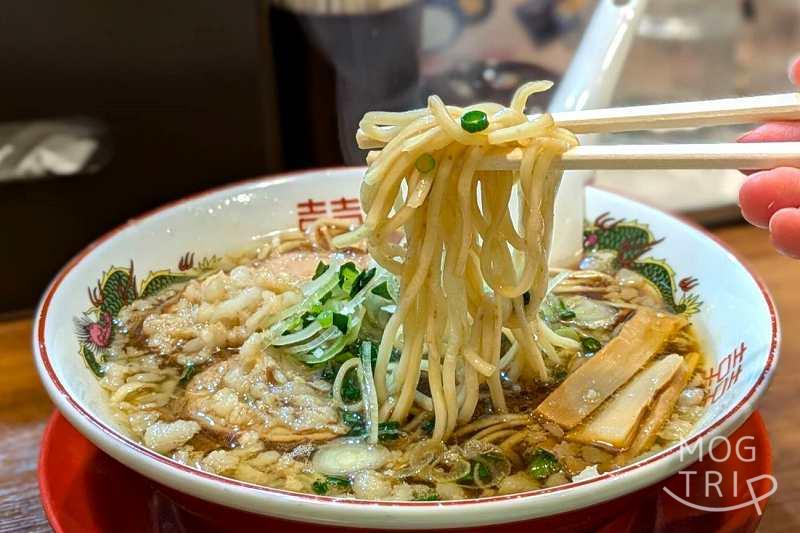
(24, 406)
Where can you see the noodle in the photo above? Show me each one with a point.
(466, 263)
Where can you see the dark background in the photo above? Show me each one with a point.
(183, 89)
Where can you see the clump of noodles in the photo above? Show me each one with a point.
(467, 271)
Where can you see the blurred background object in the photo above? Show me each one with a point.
(39, 149)
(334, 61)
(113, 108)
(687, 52)
(178, 89)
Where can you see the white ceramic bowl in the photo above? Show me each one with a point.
(736, 316)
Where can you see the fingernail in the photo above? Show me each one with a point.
(749, 136)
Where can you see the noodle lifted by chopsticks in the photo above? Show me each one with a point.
(467, 271)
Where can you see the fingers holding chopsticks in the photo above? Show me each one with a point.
(784, 228)
(766, 192)
(771, 198)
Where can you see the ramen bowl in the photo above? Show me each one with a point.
(697, 276)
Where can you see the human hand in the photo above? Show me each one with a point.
(771, 198)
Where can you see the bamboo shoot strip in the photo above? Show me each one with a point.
(660, 412)
(599, 377)
(614, 425)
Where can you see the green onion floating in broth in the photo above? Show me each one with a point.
(590, 345)
(331, 482)
(382, 290)
(543, 464)
(186, 376)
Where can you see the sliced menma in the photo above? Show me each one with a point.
(661, 411)
(615, 423)
(598, 378)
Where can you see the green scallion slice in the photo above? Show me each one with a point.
(543, 464)
(320, 270)
(425, 163)
(186, 376)
(347, 275)
(382, 290)
(590, 345)
(325, 318)
(341, 322)
(474, 121)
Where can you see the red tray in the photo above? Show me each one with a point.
(84, 490)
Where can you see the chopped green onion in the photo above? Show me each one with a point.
(339, 482)
(361, 281)
(590, 345)
(341, 322)
(321, 269)
(382, 290)
(543, 464)
(431, 496)
(564, 312)
(352, 418)
(427, 426)
(325, 318)
(347, 276)
(474, 121)
(469, 477)
(308, 318)
(387, 431)
(320, 487)
(186, 376)
(425, 163)
(351, 389)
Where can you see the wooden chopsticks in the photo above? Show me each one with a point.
(746, 156)
(726, 111)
